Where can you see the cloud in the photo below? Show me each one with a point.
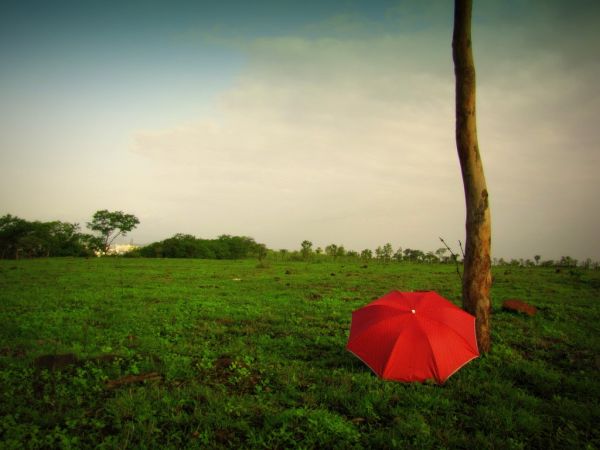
(322, 131)
(352, 141)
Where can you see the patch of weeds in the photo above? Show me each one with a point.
(307, 428)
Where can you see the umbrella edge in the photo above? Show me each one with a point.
(459, 367)
(476, 355)
(364, 362)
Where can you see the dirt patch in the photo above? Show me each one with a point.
(66, 360)
(314, 296)
(55, 362)
(224, 436)
(133, 379)
(223, 363)
(225, 321)
(16, 352)
(550, 342)
(519, 306)
(235, 374)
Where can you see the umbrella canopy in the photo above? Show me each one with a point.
(413, 336)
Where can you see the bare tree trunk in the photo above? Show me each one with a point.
(477, 276)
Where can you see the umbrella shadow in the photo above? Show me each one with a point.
(328, 355)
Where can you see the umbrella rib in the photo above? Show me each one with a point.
(365, 363)
(435, 364)
(437, 371)
(461, 338)
(357, 335)
(388, 359)
(453, 331)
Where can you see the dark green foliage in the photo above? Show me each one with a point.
(146, 353)
(306, 249)
(20, 238)
(188, 246)
(413, 255)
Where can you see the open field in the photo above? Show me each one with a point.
(196, 353)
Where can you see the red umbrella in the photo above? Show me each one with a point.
(413, 336)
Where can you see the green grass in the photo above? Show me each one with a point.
(241, 356)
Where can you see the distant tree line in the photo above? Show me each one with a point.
(188, 246)
(20, 238)
(383, 253)
(564, 261)
(386, 254)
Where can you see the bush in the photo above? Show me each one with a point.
(188, 246)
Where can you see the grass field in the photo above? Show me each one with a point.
(140, 353)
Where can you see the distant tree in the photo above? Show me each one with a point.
(430, 258)
(306, 249)
(341, 251)
(188, 246)
(418, 255)
(398, 255)
(332, 250)
(21, 238)
(366, 254)
(379, 253)
(235, 247)
(352, 254)
(319, 250)
(567, 261)
(32, 244)
(261, 251)
(110, 225)
(413, 255)
(440, 253)
(386, 252)
(537, 259)
(11, 230)
(64, 239)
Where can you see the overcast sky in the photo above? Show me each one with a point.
(331, 121)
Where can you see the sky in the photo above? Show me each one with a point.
(331, 121)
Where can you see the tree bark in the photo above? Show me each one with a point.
(477, 263)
